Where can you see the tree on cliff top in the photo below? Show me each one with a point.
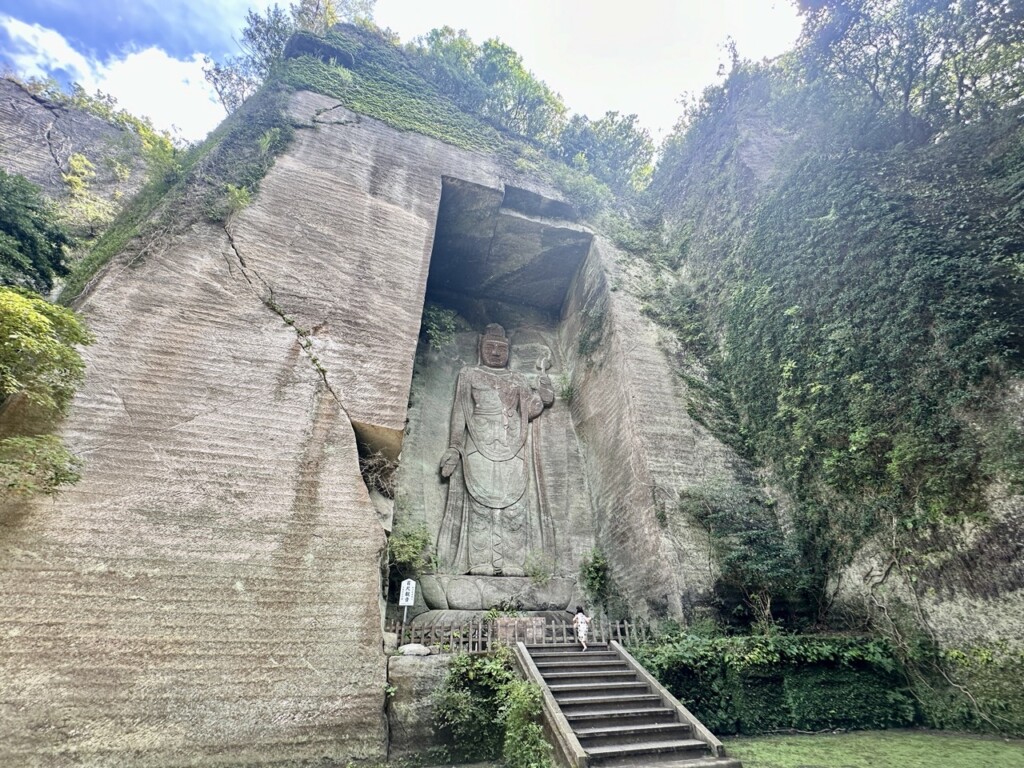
(614, 148)
(928, 63)
(236, 78)
(490, 80)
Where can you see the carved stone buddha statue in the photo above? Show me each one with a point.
(493, 516)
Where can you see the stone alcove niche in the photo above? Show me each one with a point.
(500, 256)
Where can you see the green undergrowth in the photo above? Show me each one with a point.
(485, 711)
(979, 689)
(383, 85)
(877, 749)
(760, 684)
(114, 239)
(209, 181)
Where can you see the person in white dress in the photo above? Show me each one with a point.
(581, 623)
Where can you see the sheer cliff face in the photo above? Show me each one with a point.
(210, 590)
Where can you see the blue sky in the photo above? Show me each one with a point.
(638, 57)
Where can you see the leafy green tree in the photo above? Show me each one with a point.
(614, 148)
(39, 365)
(492, 81)
(32, 240)
(925, 62)
(447, 58)
(516, 99)
(38, 359)
(236, 78)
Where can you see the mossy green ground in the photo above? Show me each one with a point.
(878, 749)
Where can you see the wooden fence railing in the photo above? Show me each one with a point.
(477, 636)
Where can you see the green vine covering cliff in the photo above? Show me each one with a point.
(867, 303)
(842, 247)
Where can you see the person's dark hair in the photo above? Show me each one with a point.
(579, 609)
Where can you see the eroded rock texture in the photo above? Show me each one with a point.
(414, 680)
(209, 592)
(38, 138)
(643, 446)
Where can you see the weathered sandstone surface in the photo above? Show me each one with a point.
(37, 138)
(413, 681)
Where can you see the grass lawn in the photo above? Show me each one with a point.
(878, 749)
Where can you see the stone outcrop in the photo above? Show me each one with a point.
(643, 448)
(38, 137)
(413, 681)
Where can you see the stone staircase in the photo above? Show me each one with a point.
(615, 713)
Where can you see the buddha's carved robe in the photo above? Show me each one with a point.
(493, 517)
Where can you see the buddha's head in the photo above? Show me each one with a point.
(494, 347)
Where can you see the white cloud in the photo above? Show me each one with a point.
(171, 92)
(36, 51)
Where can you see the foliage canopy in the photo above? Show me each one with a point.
(40, 365)
(38, 359)
(32, 238)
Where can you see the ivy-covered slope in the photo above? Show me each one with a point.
(371, 76)
(856, 304)
(864, 298)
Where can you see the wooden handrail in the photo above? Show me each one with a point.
(475, 636)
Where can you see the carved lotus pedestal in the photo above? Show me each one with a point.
(481, 593)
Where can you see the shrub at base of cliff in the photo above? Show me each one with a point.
(37, 464)
(486, 712)
(761, 684)
(975, 689)
(40, 368)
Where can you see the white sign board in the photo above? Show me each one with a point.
(408, 594)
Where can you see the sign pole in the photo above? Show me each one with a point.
(406, 598)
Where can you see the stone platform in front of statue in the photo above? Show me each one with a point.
(481, 593)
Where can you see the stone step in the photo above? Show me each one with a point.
(679, 748)
(583, 662)
(597, 689)
(620, 716)
(595, 676)
(553, 670)
(608, 704)
(578, 654)
(607, 735)
(670, 760)
(571, 644)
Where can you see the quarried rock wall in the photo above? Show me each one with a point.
(209, 593)
(37, 139)
(643, 448)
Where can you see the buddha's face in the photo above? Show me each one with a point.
(494, 353)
